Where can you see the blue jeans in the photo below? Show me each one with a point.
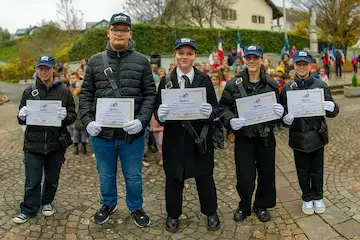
(107, 153)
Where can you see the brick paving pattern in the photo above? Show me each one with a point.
(78, 195)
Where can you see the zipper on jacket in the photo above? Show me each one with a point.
(45, 142)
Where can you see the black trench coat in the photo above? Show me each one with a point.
(180, 155)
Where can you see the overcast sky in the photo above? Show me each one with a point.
(23, 13)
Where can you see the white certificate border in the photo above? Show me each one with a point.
(132, 109)
(315, 90)
(195, 117)
(239, 106)
(51, 102)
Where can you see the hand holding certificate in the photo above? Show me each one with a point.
(306, 103)
(43, 113)
(257, 109)
(114, 112)
(185, 103)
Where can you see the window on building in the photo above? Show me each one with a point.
(257, 19)
(254, 19)
(228, 14)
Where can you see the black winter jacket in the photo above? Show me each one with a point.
(304, 132)
(228, 109)
(42, 139)
(134, 78)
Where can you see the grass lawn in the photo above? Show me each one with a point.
(7, 53)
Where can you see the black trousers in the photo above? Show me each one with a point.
(310, 171)
(338, 70)
(34, 165)
(327, 70)
(206, 190)
(355, 68)
(252, 156)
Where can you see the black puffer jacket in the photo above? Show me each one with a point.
(133, 75)
(41, 139)
(228, 109)
(303, 133)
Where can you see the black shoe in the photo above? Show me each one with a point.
(76, 149)
(83, 149)
(262, 214)
(213, 222)
(240, 215)
(153, 148)
(141, 219)
(172, 225)
(102, 216)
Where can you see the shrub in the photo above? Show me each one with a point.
(354, 81)
(156, 39)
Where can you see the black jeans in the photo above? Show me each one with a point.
(338, 70)
(206, 190)
(251, 157)
(34, 165)
(310, 171)
(355, 68)
(327, 70)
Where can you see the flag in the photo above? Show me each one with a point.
(240, 51)
(333, 50)
(287, 47)
(220, 50)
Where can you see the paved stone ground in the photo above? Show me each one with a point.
(78, 194)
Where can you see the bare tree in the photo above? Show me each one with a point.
(146, 11)
(203, 13)
(68, 16)
(337, 20)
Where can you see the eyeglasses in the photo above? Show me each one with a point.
(119, 31)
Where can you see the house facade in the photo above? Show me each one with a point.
(250, 14)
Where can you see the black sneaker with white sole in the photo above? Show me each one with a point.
(140, 217)
(102, 216)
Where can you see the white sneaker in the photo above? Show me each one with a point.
(21, 218)
(308, 207)
(48, 210)
(319, 206)
(145, 163)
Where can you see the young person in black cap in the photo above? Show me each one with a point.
(255, 144)
(182, 159)
(44, 146)
(119, 72)
(308, 135)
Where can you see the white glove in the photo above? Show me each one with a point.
(133, 127)
(93, 129)
(278, 109)
(62, 113)
(163, 111)
(206, 109)
(288, 119)
(237, 123)
(328, 106)
(23, 112)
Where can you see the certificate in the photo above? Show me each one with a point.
(43, 113)
(114, 112)
(185, 103)
(257, 109)
(306, 103)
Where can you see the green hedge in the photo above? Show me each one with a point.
(155, 39)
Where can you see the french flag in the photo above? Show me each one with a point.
(220, 50)
(239, 48)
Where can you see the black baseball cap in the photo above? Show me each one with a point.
(120, 18)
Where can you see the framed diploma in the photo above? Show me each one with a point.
(184, 103)
(306, 103)
(43, 113)
(114, 112)
(257, 109)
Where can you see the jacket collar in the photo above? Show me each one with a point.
(119, 54)
(304, 83)
(198, 77)
(40, 85)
